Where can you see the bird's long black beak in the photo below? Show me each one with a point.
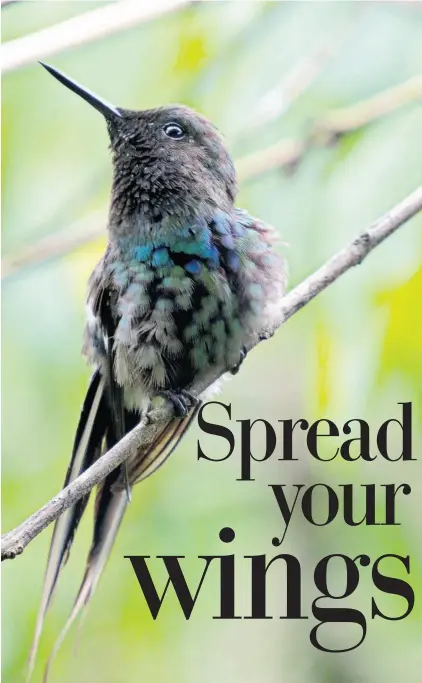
(108, 110)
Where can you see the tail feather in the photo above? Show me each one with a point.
(152, 458)
(86, 448)
(109, 511)
(96, 561)
(105, 489)
(110, 505)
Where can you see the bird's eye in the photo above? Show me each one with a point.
(173, 130)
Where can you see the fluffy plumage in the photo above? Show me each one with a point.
(187, 281)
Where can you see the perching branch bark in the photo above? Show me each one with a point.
(15, 541)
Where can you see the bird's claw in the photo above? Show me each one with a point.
(235, 369)
(182, 401)
(265, 335)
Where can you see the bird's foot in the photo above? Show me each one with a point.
(235, 369)
(182, 401)
(265, 335)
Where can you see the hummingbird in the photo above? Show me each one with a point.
(186, 284)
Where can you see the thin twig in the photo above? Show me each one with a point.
(329, 128)
(62, 242)
(84, 28)
(15, 541)
(302, 76)
(352, 255)
(279, 99)
(284, 154)
(343, 120)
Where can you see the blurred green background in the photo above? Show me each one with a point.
(263, 72)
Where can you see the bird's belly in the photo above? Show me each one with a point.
(166, 347)
(168, 356)
(171, 329)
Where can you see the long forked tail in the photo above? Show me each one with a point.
(110, 506)
(87, 445)
(97, 558)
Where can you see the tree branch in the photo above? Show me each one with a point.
(329, 128)
(73, 236)
(15, 541)
(352, 255)
(344, 120)
(84, 28)
(279, 99)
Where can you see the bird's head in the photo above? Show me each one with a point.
(168, 161)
